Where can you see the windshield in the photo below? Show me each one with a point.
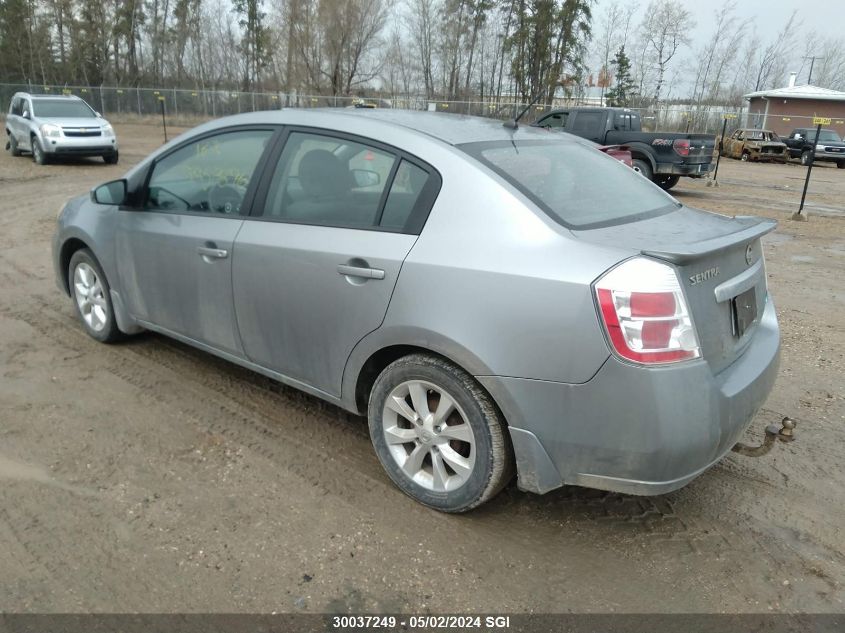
(55, 108)
(762, 135)
(575, 183)
(827, 136)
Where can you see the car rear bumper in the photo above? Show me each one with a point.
(632, 429)
(82, 146)
(695, 170)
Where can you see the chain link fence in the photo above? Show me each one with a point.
(189, 107)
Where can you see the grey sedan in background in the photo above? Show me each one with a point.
(492, 299)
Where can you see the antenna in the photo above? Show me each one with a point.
(513, 124)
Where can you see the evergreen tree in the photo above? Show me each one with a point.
(624, 91)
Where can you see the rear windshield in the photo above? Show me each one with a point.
(576, 184)
(55, 108)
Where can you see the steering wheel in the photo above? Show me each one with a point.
(226, 198)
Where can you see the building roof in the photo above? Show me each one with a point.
(800, 92)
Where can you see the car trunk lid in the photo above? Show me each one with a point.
(720, 266)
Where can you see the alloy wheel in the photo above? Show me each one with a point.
(428, 436)
(90, 297)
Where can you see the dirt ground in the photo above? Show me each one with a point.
(148, 476)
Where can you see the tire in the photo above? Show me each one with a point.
(14, 150)
(745, 157)
(805, 157)
(457, 461)
(667, 182)
(840, 164)
(38, 153)
(111, 159)
(95, 310)
(643, 167)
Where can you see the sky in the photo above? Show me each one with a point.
(826, 17)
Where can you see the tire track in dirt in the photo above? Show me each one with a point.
(250, 416)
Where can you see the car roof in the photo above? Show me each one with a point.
(454, 129)
(48, 96)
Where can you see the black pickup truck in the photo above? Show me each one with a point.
(663, 157)
(828, 147)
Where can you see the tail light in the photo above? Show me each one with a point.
(681, 146)
(645, 314)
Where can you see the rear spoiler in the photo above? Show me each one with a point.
(758, 229)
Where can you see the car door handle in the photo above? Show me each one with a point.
(216, 253)
(360, 271)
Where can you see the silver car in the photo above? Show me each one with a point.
(58, 125)
(492, 299)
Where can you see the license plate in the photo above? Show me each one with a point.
(743, 311)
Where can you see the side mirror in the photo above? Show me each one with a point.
(26, 114)
(113, 192)
(365, 178)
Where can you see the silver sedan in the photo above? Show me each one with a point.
(494, 300)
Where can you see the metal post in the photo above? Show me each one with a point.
(809, 170)
(712, 182)
(163, 120)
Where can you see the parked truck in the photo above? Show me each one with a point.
(663, 157)
(828, 147)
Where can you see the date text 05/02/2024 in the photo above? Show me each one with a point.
(388, 622)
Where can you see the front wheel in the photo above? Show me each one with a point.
(38, 153)
(111, 159)
(91, 295)
(806, 157)
(438, 434)
(745, 157)
(840, 164)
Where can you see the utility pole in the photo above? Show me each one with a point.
(812, 63)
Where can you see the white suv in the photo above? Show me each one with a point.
(53, 125)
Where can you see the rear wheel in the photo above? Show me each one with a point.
(438, 434)
(92, 297)
(14, 150)
(667, 182)
(643, 167)
(38, 153)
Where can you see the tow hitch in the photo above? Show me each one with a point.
(785, 433)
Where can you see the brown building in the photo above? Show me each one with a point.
(784, 109)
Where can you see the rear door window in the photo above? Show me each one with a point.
(588, 124)
(329, 181)
(405, 196)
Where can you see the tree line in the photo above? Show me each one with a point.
(632, 53)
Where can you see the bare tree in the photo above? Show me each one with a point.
(771, 61)
(666, 27)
